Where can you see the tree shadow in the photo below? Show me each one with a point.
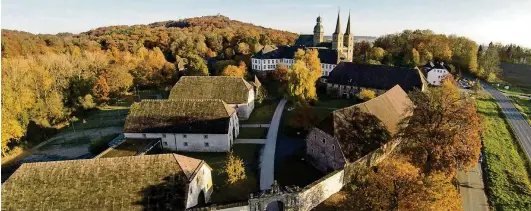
(168, 195)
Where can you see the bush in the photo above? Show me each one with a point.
(99, 145)
(367, 94)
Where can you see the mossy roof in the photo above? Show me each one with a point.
(201, 116)
(149, 182)
(129, 147)
(232, 90)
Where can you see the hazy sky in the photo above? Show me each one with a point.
(507, 21)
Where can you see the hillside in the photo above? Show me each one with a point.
(217, 32)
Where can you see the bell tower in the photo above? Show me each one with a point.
(318, 32)
(348, 41)
(337, 37)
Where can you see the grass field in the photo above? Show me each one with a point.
(253, 133)
(506, 168)
(518, 77)
(240, 191)
(107, 116)
(524, 106)
(262, 113)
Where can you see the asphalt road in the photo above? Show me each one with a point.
(519, 125)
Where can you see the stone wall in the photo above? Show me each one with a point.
(324, 151)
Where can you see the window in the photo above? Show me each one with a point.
(165, 143)
(333, 147)
(185, 144)
(324, 141)
(205, 136)
(163, 135)
(185, 136)
(207, 144)
(143, 135)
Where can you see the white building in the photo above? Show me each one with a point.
(147, 182)
(234, 91)
(190, 125)
(331, 53)
(436, 73)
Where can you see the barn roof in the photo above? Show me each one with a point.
(375, 76)
(389, 108)
(231, 89)
(148, 182)
(210, 116)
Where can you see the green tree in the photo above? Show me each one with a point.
(377, 53)
(196, 66)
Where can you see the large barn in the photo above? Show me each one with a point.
(347, 79)
(148, 182)
(323, 143)
(234, 91)
(192, 125)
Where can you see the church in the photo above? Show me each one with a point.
(331, 53)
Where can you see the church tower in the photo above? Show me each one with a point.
(337, 37)
(318, 32)
(348, 42)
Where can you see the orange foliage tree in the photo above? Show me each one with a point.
(443, 134)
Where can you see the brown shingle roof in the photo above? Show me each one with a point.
(209, 116)
(232, 90)
(389, 108)
(148, 182)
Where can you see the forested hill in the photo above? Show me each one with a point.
(47, 78)
(211, 34)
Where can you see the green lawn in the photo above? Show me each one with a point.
(253, 132)
(262, 113)
(524, 106)
(129, 147)
(240, 191)
(506, 168)
(101, 117)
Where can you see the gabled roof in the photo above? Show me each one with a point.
(304, 40)
(203, 116)
(375, 76)
(437, 65)
(389, 108)
(147, 182)
(231, 89)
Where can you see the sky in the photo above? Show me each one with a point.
(506, 21)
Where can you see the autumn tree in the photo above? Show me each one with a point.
(302, 76)
(101, 89)
(395, 184)
(489, 63)
(377, 53)
(118, 80)
(280, 73)
(303, 118)
(232, 70)
(196, 65)
(413, 58)
(360, 132)
(443, 132)
(367, 94)
(234, 168)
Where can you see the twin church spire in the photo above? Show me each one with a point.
(343, 43)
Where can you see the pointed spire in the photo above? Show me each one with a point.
(338, 25)
(348, 24)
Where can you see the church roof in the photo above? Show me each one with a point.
(231, 89)
(199, 116)
(375, 76)
(146, 182)
(304, 40)
(347, 32)
(326, 56)
(338, 25)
